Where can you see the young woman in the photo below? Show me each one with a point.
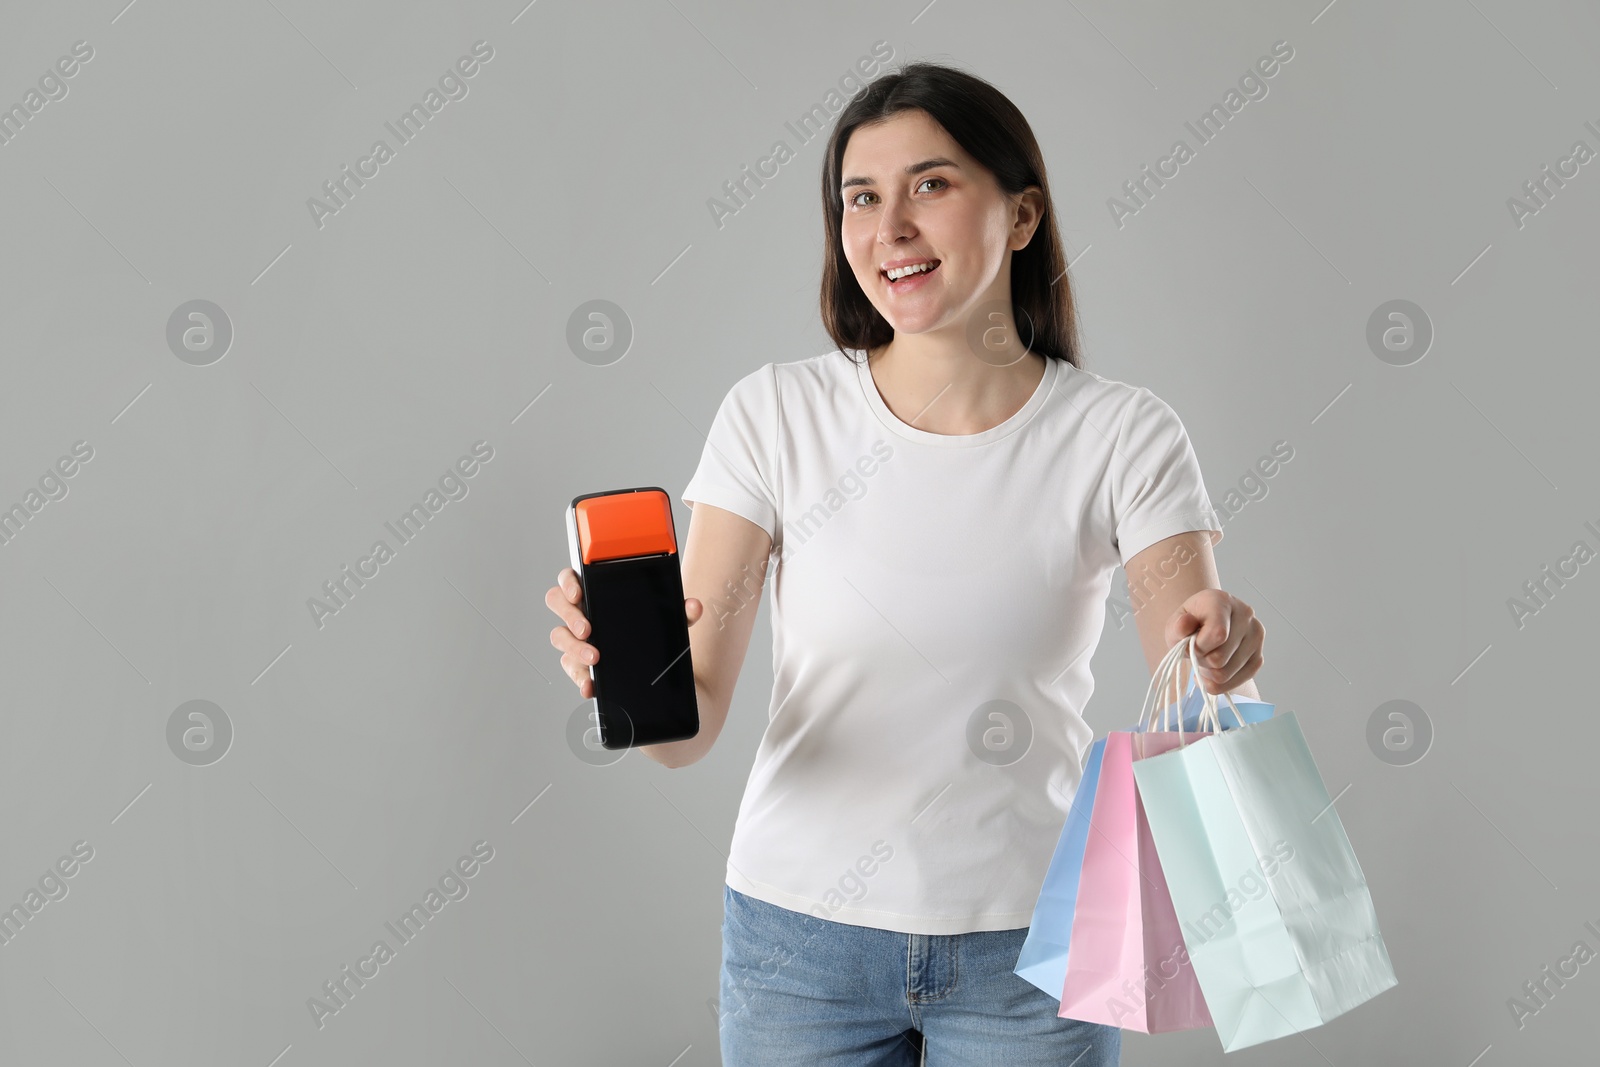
(944, 514)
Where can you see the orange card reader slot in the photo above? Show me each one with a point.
(624, 525)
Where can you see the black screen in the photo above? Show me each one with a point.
(644, 680)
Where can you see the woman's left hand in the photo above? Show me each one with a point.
(1228, 638)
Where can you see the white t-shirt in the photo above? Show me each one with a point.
(936, 602)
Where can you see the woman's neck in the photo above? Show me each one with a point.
(953, 391)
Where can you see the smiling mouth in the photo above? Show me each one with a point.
(908, 277)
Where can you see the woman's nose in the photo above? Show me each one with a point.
(894, 222)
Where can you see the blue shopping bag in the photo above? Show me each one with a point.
(1043, 959)
(1276, 917)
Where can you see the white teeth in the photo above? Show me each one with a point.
(900, 272)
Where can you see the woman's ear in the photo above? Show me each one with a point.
(1029, 212)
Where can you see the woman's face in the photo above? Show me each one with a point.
(911, 195)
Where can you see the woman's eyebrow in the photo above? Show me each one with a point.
(915, 168)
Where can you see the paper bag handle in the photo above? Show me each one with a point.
(1158, 683)
(1165, 673)
(1210, 704)
(1164, 676)
(1170, 670)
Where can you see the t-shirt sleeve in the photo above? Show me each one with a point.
(738, 466)
(1156, 487)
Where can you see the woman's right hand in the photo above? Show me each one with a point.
(577, 655)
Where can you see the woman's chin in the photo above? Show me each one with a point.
(910, 325)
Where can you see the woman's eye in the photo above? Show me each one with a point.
(855, 201)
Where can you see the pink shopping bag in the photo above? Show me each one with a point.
(1127, 965)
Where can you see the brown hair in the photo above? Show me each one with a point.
(989, 128)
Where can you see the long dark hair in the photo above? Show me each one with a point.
(989, 128)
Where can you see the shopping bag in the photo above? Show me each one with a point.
(1043, 960)
(1126, 961)
(1277, 919)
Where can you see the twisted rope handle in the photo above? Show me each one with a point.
(1159, 680)
(1169, 672)
(1210, 707)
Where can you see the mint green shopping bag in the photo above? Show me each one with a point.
(1276, 916)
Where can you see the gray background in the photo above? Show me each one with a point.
(432, 312)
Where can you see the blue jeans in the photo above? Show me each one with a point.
(810, 992)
